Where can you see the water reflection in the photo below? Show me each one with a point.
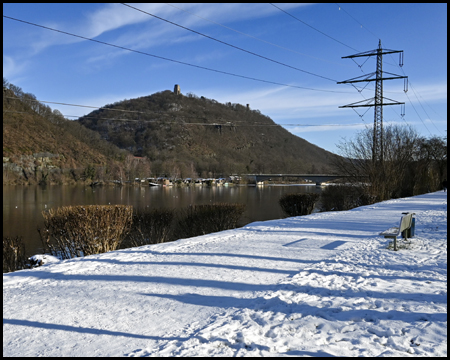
(23, 205)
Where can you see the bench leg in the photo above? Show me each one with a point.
(395, 243)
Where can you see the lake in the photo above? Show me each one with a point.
(23, 205)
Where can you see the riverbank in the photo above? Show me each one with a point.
(23, 205)
(318, 285)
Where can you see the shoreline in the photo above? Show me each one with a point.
(319, 284)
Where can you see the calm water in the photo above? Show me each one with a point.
(23, 205)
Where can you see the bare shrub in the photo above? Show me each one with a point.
(205, 219)
(298, 204)
(345, 197)
(14, 254)
(149, 227)
(73, 231)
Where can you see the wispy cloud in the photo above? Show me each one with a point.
(99, 101)
(429, 92)
(116, 16)
(326, 127)
(112, 17)
(284, 103)
(10, 67)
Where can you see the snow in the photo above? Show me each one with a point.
(42, 259)
(317, 285)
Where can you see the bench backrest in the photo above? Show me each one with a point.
(405, 222)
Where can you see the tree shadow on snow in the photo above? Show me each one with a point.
(83, 330)
(277, 305)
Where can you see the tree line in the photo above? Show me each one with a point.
(412, 164)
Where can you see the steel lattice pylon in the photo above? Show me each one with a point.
(377, 151)
(378, 100)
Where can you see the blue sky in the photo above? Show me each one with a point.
(61, 68)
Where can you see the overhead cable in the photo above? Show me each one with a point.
(172, 60)
(418, 114)
(362, 26)
(312, 27)
(401, 68)
(429, 118)
(254, 37)
(233, 46)
(158, 114)
(232, 124)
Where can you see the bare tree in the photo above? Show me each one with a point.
(431, 164)
(130, 167)
(387, 179)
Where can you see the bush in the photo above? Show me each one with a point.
(298, 204)
(205, 219)
(149, 227)
(14, 254)
(73, 231)
(344, 197)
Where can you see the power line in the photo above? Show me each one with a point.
(175, 61)
(159, 114)
(233, 46)
(253, 37)
(378, 133)
(427, 104)
(429, 117)
(362, 26)
(360, 66)
(86, 106)
(401, 68)
(231, 124)
(105, 108)
(418, 114)
(312, 27)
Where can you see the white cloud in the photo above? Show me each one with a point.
(116, 16)
(282, 103)
(99, 101)
(429, 92)
(11, 68)
(326, 127)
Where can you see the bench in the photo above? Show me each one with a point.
(393, 232)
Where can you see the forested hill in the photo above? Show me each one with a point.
(41, 146)
(191, 136)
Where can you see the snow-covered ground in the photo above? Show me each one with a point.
(317, 285)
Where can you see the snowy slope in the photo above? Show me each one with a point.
(317, 285)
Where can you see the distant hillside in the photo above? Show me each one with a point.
(190, 136)
(40, 146)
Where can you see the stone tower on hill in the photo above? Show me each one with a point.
(176, 89)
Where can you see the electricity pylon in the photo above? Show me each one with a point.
(377, 101)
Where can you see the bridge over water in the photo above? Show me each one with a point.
(317, 178)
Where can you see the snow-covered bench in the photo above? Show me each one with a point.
(393, 232)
